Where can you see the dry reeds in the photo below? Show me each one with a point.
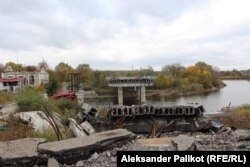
(14, 130)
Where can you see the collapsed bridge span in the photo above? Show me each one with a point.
(141, 118)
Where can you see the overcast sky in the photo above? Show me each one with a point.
(121, 34)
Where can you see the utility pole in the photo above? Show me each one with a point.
(17, 60)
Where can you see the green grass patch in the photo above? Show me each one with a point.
(48, 134)
(30, 100)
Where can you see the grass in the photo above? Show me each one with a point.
(6, 98)
(30, 100)
(241, 113)
(48, 134)
(238, 117)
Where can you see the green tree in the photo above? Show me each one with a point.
(52, 86)
(99, 79)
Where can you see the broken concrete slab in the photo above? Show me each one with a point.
(76, 129)
(34, 118)
(88, 109)
(8, 109)
(184, 142)
(52, 162)
(87, 127)
(21, 152)
(71, 150)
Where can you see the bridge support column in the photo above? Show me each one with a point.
(138, 94)
(120, 96)
(143, 95)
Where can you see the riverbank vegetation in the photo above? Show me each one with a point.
(197, 78)
(238, 117)
(235, 74)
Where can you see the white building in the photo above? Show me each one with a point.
(11, 84)
(33, 76)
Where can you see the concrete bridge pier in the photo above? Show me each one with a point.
(139, 83)
(143, 95)
(120, 96)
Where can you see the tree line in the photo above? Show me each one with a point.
(200, 76)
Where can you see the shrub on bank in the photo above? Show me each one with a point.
(30, 100)
(238, 117)
(64, 103)
(243, 111)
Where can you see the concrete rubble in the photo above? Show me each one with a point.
(183, 142)
(20, 152)
(75, 128)
(8, 109)
(100, 149)
(34, 119)
(70, 150)
(225, 141)
(84, 129)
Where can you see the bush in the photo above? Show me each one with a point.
(185, 88)
(243, 111)
(67, 109)
(162, 81)
(66, 104)
(218, 83)
(30, 100)
(66, 115)
(196, 87)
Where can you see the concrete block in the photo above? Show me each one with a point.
(21, 152)
(71, 150)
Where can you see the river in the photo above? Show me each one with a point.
(237, 92)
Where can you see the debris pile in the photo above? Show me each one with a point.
(148, 118)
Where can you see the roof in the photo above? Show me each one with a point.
(63, 94)
(10, 79)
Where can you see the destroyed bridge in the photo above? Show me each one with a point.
(139, 83)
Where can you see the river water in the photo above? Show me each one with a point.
(237, 92)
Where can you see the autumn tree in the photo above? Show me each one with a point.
(163, 81)
(14, 66)
(173, 69)
(175, 72)
(86, 73)
(196, 74)
(62, 71)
